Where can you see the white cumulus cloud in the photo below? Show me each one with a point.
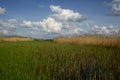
(51, 25)
(48, 25)
(27, 23)
(2, 10)
(69, 19)
(66, 14)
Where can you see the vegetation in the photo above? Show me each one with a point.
(14, 38)
(48, 60)
(91, 40)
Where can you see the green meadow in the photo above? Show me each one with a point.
(49, 60)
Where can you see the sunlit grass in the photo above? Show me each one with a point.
(48, 60)
(92, 40)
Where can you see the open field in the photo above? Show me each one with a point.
(48, 60)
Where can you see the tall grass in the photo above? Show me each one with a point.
(15, 38)
(47, 60)
(91, 40)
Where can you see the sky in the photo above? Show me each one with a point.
(48, 19)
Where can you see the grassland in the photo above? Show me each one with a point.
(48, 60)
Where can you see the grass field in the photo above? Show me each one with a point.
(48, 60)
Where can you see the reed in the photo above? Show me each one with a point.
(91, 40)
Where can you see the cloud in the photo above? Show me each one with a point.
(70, 20)
(4, 32)
(115, 7)
(7, 27)
(64, 22)
(33, 26)
(51, 25)
(116, 0)
(8, 24)
(66, 14)
(48, 25)
(2, 10)
(61, 21)
(27, 23)
(105, 30)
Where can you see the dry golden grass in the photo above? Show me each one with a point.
(15, 39)
(91, 40)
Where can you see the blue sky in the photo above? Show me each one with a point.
(52, 18)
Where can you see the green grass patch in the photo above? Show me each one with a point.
(47, 60)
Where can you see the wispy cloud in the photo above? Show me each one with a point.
(8, 24)
(115, 7)
(41, 6)
(4, 32)
(2, 10)
(105, 30)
